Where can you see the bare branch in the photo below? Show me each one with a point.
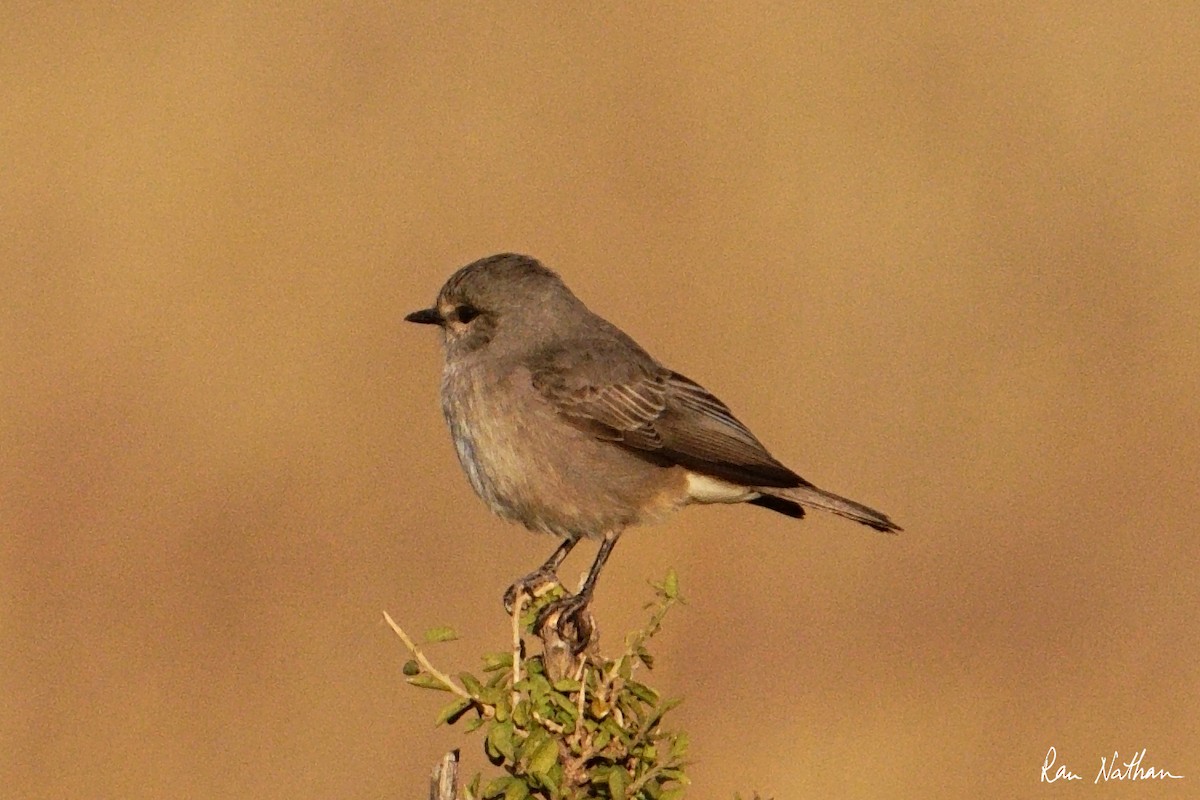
(443, 785)
(424, 662)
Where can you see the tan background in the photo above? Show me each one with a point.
(944, 261)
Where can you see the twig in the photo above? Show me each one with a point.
(424, 662)
(640, 782)
(581, 676)
(548, 724)
(443, 785)
(518, 605)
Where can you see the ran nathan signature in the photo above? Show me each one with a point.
(1110, 770)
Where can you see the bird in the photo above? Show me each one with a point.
(563, 423)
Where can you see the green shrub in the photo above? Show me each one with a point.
(560, 725)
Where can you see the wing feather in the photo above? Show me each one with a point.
(654, 412)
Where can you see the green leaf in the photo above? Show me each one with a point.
(566, 685)
(520, 714)
(428, 682)
(517, 790)
(679, 747)
(471, 684)
(442, 633)
(539, 687)
(668, 705)
(527, 749)
(551, 780)
(564, 702)
(644, 656)
(618, 779)
(672, 794)
(660, 710)
(499, 742)
(610, 726)
(490, 696)
(451, 712)
(497, 786)
(542, 708)
(544, 758)
(671, 585)
(411, 668)
(495, 661)
(642, 692)
(475, 724)
(631, 708)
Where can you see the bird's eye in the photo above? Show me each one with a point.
(466, 313)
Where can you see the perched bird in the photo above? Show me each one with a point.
(564, 424)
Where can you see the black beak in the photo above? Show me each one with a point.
(426, 316)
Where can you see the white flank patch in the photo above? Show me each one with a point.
(707, 489)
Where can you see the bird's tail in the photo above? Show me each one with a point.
(812, 497)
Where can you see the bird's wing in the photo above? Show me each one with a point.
(704, 435)
(654, 412)
(622, 408)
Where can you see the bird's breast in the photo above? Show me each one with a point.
(531, 465)
(478, 426)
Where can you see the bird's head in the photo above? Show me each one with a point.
(505, 301)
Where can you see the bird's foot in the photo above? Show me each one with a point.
(568, 620)
(534, 585)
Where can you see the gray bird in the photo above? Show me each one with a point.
(564, 424)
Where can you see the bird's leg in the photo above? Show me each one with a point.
(570, 614)
(546, 573)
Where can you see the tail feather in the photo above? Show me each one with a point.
(812, 497)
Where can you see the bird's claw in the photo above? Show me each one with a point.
(533, 586)
(572, 621)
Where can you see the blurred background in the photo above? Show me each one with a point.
(942, 259)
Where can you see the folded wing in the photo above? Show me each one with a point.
(653, 411)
